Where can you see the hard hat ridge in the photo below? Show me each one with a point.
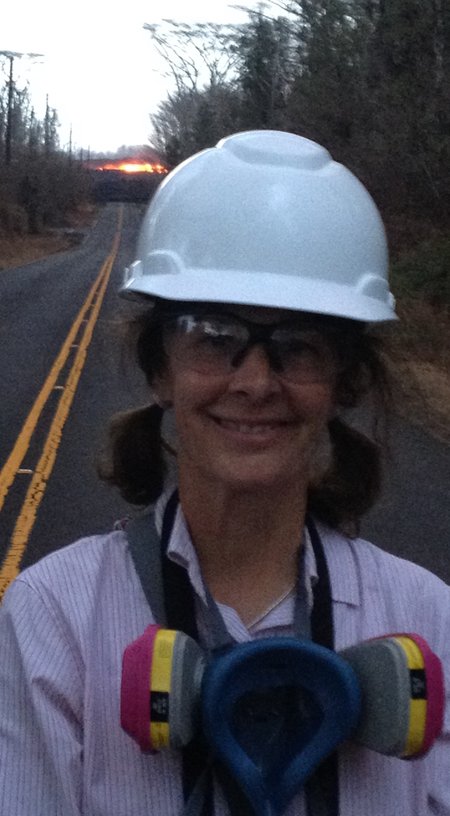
(297, 151)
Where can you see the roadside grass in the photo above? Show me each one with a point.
(424, 271)
(418, 346)
(16, 250)
(418, 358)
(17, 247)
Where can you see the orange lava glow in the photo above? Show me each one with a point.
(134, 167)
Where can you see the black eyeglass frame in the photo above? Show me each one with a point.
(332, 330)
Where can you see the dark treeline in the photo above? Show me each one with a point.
(370, 79)
(39, 183)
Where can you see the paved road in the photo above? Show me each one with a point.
(412, 517)
(38, 305)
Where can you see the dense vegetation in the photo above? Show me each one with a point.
(39, 183)
(370, 79)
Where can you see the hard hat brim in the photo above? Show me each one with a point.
(266, 290)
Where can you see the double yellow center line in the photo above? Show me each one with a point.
(79, 337)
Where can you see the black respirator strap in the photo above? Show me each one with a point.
(322, 627)
(322, 788)
(179, 600)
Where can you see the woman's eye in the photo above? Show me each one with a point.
(302, 346)
(298, 347)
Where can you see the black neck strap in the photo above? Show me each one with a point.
(179, 599)
(322, 627)
(322, 789)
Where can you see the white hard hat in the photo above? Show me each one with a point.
(266, 218)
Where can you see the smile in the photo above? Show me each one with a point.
(254, 428)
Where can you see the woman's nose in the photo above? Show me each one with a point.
(254, 373)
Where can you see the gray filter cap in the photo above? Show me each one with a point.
(184, 707)
(383, 672)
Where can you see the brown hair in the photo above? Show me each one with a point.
(135, 461)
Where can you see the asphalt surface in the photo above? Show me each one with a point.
(412, 517)
(39, 302)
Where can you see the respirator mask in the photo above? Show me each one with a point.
(273, 709)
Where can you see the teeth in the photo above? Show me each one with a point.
(248, 429)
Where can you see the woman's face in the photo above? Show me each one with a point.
(248, 427)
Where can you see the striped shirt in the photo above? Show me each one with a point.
(65, 623)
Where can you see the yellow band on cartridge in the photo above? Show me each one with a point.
(418, 707)
(160, 681)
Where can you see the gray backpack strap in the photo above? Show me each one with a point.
(145, 548)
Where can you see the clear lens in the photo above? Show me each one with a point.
(208, 344)
(217, 345)
(305, 355)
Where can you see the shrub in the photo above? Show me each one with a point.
(13, 218)
(424, 272)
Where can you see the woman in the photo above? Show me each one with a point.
(261, 264)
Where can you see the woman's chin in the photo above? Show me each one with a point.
(254, 476)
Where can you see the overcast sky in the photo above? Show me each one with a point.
(98, 67)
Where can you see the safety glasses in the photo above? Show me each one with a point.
(217, 344)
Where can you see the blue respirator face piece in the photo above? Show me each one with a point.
(263, 720)
(273, 710)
